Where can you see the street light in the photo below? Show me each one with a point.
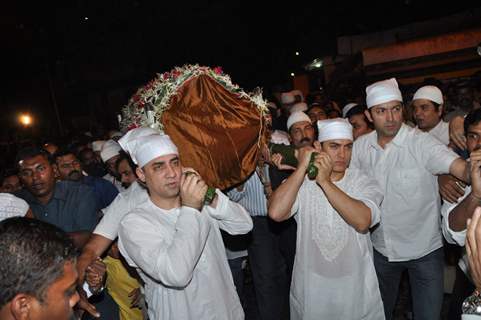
(25, 119)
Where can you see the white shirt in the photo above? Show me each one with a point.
(441, 132)
(115, 182)
(12, 206)
(456, 237)
(125, 202)
(180, 255)
(334, 275)
(406, 170)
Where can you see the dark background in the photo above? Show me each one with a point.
(89, 56)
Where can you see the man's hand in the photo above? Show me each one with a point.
(475, 157)
(95, 275)
(473, 247)
(323, 162)
(276, 159)
(135, 296)
(304, 157)
(84, 305)
(192, 191)
(450, 188)
(456, 132)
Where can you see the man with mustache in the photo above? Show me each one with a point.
(65, 204)
(69, 168)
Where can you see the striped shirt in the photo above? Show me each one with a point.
(252, 197)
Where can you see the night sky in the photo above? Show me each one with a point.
(96, 46)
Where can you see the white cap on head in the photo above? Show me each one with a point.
(300, 106)
(146, 148)
(382, 92)
(332, 129)
(297, 116)
(109, 150)
(298, 93)
(430, 93)
(11, 206)
(280, 137)
(348, 107)
(97, 145)
(287, 97)
(129, 140)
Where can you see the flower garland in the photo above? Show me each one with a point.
(146, 106)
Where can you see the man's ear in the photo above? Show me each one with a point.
(140, 174)
(20, 306)
(367, 113)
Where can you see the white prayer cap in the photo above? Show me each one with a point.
(147, 148)
(298, 93)
(280, 137)
(109, 150)
(332, 129)
(382, 92)
(129, 141)
(300, 106)
(431, 93)
(287, 97)
(297, 116)
(11, 206)
(348, 107)
(115, 134)
(97, 145)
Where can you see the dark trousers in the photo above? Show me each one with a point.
(463, 288)
(105, 305)
(271, 257)
(426, 278)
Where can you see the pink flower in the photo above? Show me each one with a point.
(218, 70)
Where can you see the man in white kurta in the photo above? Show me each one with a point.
(174, 241)
(334, 275)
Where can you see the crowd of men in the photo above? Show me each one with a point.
(119, 229)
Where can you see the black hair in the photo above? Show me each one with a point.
(125, 156)
(472, 118)
(359, 109)
(33, 255)
(30, 152)
(63, 151)
(8, 173)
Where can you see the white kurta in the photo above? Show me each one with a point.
(334, 275)
(180, 255)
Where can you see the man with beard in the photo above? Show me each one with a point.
(69, 168)
(65, 204)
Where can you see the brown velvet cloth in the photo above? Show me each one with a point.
(217, 133)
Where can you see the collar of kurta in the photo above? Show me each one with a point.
(399, 140)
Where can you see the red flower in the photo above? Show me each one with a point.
(136, 98)
(132, 126)
(166, 76)
(175, 74)
(218, 70)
